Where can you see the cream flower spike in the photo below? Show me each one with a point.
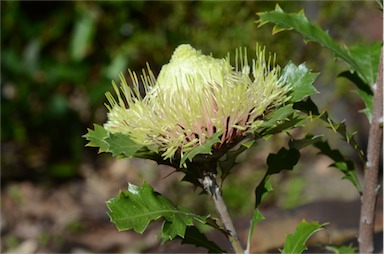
(194, 97)
(190, 67)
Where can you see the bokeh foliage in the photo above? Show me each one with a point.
(58, 59)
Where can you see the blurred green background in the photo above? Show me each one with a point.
(58, 60)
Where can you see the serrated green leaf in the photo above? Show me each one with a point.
(300, 79)
(262, 190)
(299, 22)
(256, 218)
(310, 109)
(301, 143)
(195, 237)
(341, 128)
(97, 138)
(248, 143)
(291, 122)
(229, 161)
(307, 106)
(342, 249)
(205, 148)
(170, 230)
(345, 166)
(340, 162)
(364, 59)
(363, 90)
(295, 243)
(368, 101)
(138, 206)
(283, 119)
(355, 78)
(281, 114)
(368, 57)
(284, 160)
(122, 145)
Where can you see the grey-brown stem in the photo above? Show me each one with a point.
(371, 172)
(211, 186)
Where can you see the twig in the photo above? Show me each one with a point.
(371, 186)
(211, 186)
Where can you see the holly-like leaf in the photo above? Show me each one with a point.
(295, 243)
(307, 106)
(293, 121)
(205, 148)
(281, 120)
(368, 58)
(348, 137)
(355, 78)
(116, 143)
(310, 109)
(262, 190)
(256, 218)
(122, 145)
(344, 165)
(342, 249)
(307, 141)
(279, 115)
(299, 22)
(363, 91)
(284, 159)
(138, 206)
(195, 237)
(97, 138)
(364, 59)
(229, 160)
(300, 79)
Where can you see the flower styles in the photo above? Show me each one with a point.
(194, 97)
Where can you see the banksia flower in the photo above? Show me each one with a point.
(194, 98)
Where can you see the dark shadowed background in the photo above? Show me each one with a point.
(58, 60)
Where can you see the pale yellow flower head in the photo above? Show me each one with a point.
(194, 97)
